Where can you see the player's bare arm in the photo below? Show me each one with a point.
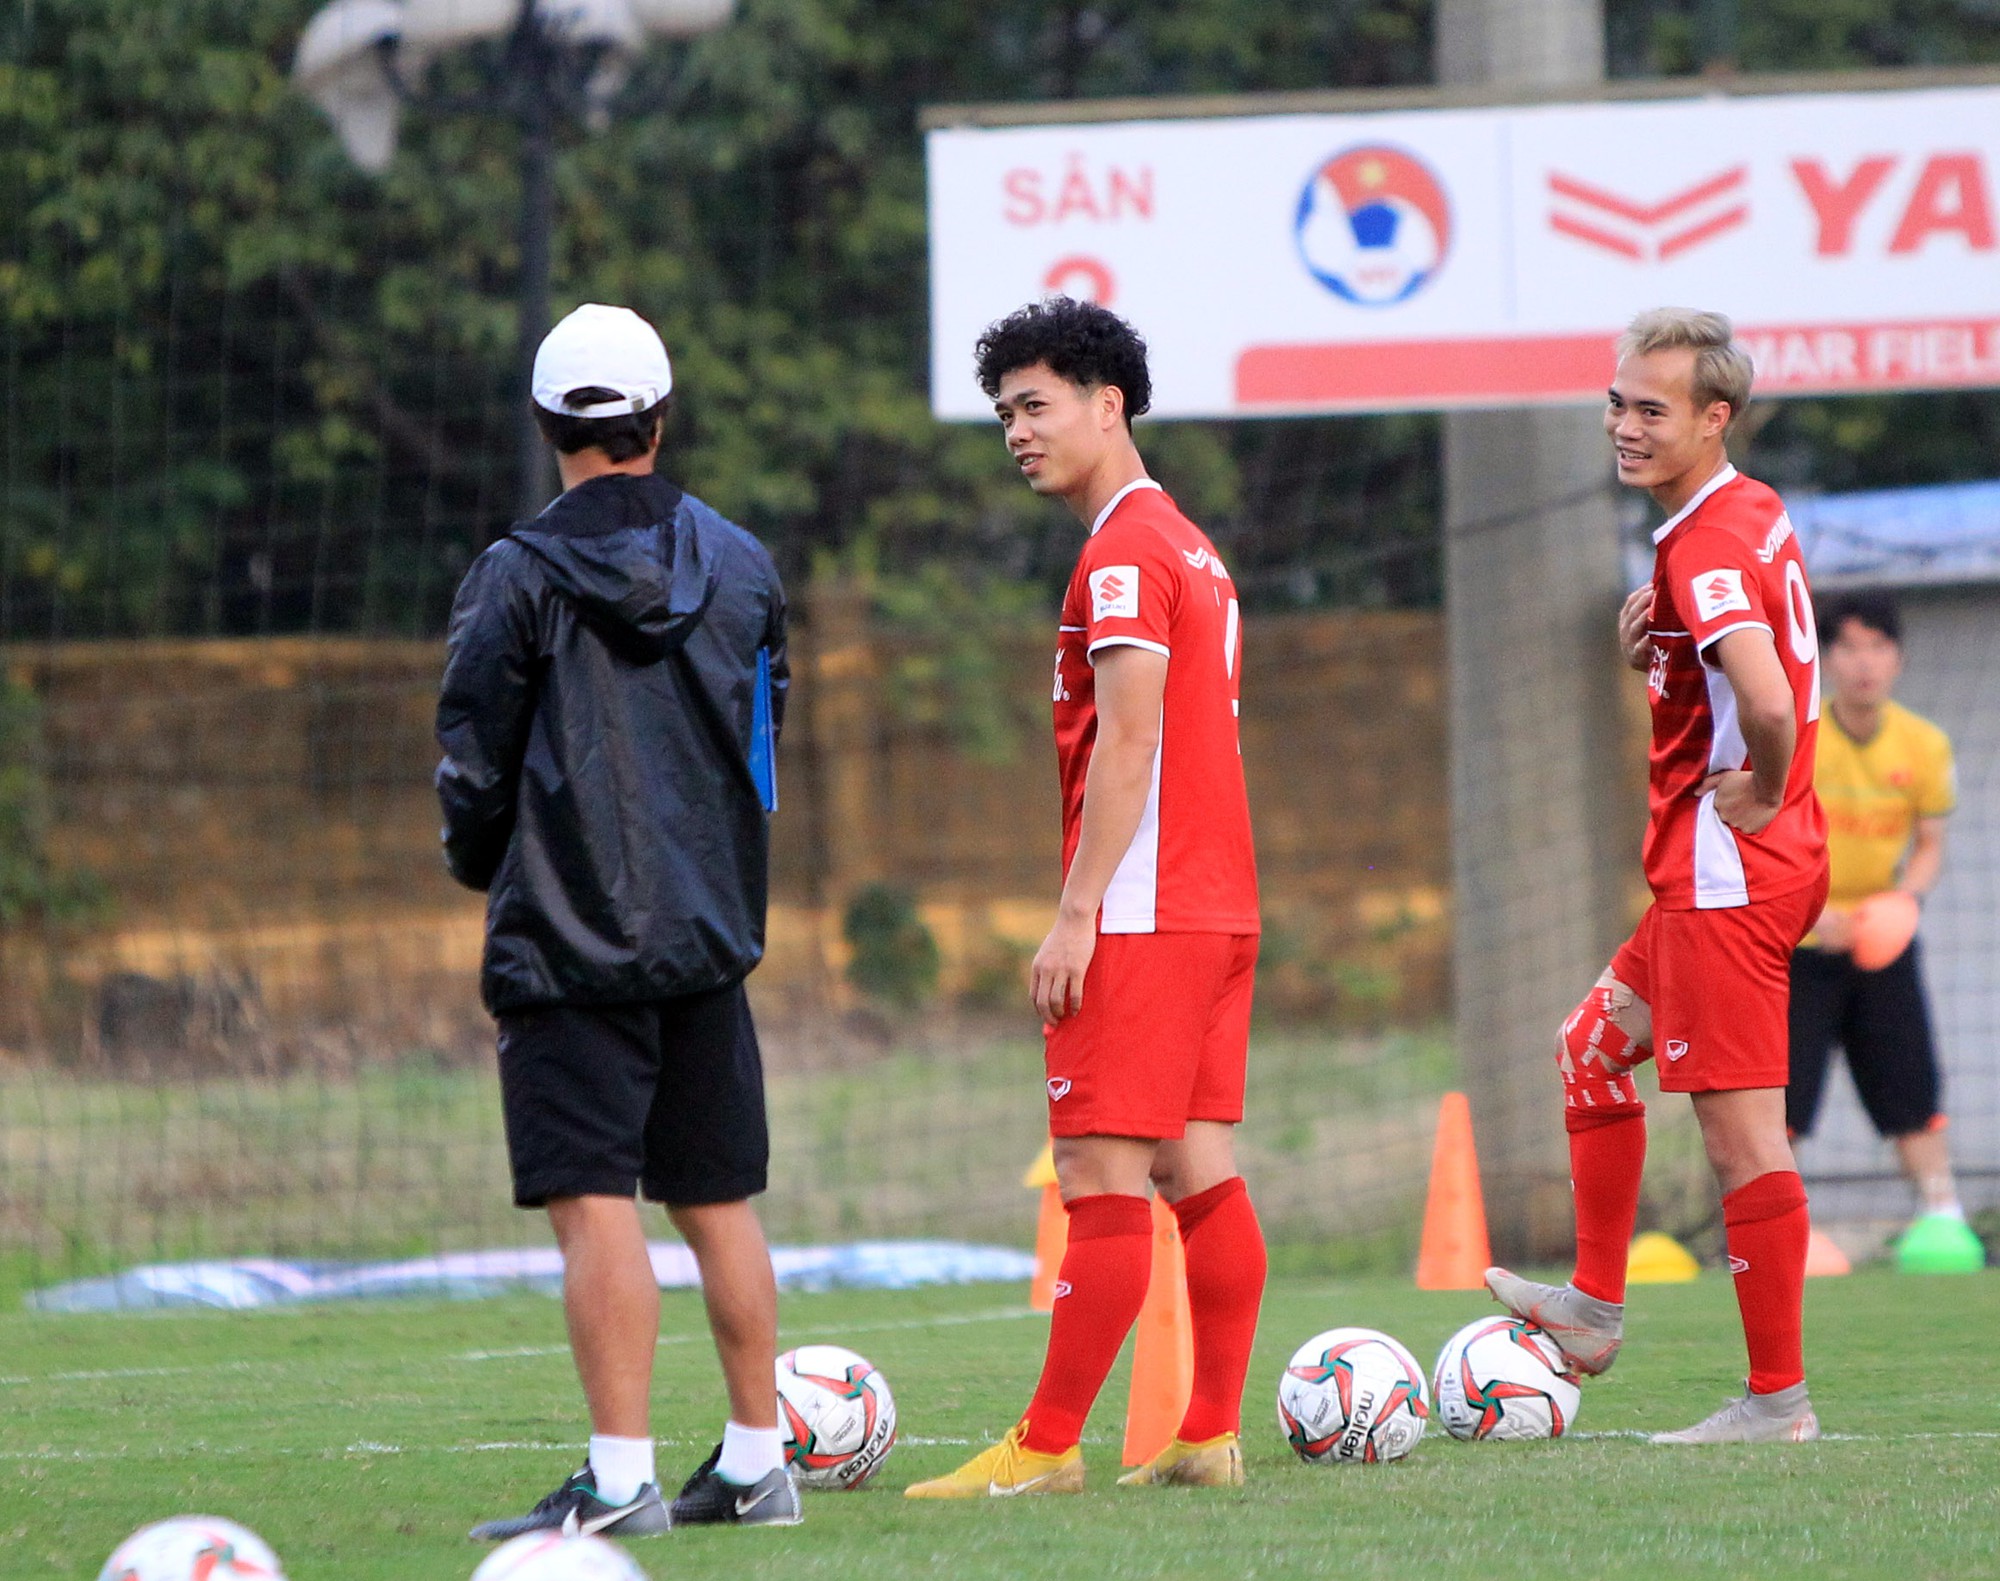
(1130, 685)
(1748, 799)
(1926, 862)
(1633, 617)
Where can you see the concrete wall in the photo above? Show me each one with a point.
(1952, 675)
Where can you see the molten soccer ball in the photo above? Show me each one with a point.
(1503, 1378)
(193, 1548)
(550, 1556)
(838, 1415)
(1352, 1394)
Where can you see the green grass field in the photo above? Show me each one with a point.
(362, 1442)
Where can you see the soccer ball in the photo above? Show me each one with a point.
(1352, 1394)
(1503, 1378)
(550, 1556)
(838, 1415)
(193, 1548)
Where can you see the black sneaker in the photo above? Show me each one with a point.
(574, 1509)
(708, 1499)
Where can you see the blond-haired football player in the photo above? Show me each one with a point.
(1735, 854)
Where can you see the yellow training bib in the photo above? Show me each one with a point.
(1874, 793)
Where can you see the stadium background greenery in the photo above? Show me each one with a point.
(254, 390)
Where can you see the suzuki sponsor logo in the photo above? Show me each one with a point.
(1114, 593)
(1649, 232)
(1716, 593)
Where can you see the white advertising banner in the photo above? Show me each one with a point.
(1485, 257)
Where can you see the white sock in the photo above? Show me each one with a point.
(622, 1466)
(749, 1454)
(1940, 1195)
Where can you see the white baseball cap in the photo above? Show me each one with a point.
(611, 348)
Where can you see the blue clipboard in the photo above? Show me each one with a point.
(764, 736)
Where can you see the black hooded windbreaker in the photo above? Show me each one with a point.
(595, 719)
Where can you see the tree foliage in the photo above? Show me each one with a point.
(252, 389)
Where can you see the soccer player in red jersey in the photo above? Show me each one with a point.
(1144, 982)
(1735, 854)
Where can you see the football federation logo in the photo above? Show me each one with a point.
(1373, 225)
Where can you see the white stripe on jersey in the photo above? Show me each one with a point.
(1132, 898)
(1719, 880)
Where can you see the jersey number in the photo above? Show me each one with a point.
(1803, 629)
(1232, 628)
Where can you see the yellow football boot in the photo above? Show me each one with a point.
(1213, 1463)
(1007, 1469)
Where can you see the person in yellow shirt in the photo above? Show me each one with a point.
(1886, 779)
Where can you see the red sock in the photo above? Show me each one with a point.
(1099, 1292)
(1767, 1230)
(1225, 1281)
(1607, 1157)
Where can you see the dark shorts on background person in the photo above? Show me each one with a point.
(665, 1098)
(1880, 1021)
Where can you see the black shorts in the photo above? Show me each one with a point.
(665, 1098)
(1882, 1023)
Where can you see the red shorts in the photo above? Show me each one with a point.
(1163, 1036)
(1720, 984)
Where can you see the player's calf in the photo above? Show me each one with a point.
(1603, 1038)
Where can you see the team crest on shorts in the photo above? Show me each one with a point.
(1058, 1088)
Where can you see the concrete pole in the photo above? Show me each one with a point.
(1545, 832)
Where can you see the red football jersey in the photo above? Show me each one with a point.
(1728, 560)
(1150, 578)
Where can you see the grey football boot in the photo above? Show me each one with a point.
(710, 1499)
(1782, 1417)
(575, 1509)
(1586, 1330)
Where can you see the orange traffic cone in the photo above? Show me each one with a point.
(1824, 1258)
(1454, 1253)
(1051, 1231)
(1163, 1351)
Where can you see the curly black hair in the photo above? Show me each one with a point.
(1876, 611)
(1079, 341)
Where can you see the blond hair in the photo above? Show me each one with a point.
(1722, 369)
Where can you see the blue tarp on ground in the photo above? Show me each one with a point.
(265, 1282)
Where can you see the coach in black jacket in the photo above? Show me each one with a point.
(597, 724)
